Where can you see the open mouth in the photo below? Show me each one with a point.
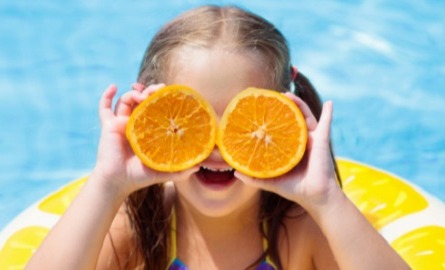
(218, 177)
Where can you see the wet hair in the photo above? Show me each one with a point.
(241, 31)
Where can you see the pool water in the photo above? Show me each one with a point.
(381, 62)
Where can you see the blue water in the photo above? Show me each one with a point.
(381, 62)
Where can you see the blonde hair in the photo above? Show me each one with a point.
(207, 27)
(211, 26)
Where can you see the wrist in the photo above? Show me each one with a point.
(327, 205)
(111, 187)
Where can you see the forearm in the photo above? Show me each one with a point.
(353, 241)
(76, 240)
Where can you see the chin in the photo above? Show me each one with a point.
(216, 202)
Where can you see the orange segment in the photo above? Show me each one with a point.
(173, 129)
(262, 133)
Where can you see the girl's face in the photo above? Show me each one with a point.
(218, 74)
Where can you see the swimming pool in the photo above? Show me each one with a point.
(381, 62)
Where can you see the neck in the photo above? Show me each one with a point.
(214, 227)
(219, 238)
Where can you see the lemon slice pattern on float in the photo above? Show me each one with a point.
(20, 239)
(411, 220)
(381, 197)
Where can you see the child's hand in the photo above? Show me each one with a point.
(117, 166)
(313, 179)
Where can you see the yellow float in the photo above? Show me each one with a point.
(411, 220)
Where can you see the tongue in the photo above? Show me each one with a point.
(216, 177)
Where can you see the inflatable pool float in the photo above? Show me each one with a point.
(411, 220)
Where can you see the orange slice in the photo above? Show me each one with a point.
(173, 129)
(262, 133)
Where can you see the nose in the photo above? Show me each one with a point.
(215, 155)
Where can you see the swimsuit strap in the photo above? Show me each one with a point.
(267, 260)
(173, 241)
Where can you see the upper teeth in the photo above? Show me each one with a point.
(217, 170)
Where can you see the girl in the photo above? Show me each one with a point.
(128, 216)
